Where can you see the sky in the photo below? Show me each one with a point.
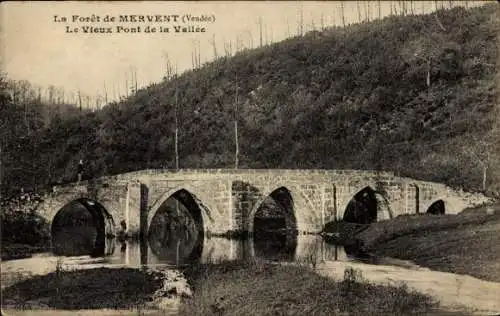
(36, 45)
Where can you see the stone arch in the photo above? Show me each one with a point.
(102, 219)
(367, 206)
(295, 200)
(437, 208)
(185, 195)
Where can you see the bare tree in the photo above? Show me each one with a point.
(126, 85)
(199, 52)
(301, 21)
(367, 10)
(169, 69)
(359, 12)
(105, 94)
(52, 91)
(266, 39)
(401, 7)
(80, 100)
(214, 45)
(342, 13)
(238, 44)
(482, 151)
(135, 81)
(228, 48)
(237, 145)
(176, 141)
(196, 54)
(193, 54)
(260, 31)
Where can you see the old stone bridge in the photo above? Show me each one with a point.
(226, 200)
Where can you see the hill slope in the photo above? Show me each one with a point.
(415, 95)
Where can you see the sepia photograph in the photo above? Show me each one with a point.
(250, 158)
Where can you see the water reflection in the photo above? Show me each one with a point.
(176, 232)
(210, 250)
(303, 248)
(275, 247)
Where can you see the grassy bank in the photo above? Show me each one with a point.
(467, 243)
(382, 231)
(84, 289)
(263, 289)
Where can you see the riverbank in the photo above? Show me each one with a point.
(98, 288)
(467, 243)
(256, 288)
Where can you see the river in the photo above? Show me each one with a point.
(305, 249)
(455, 292)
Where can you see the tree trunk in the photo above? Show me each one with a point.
(428, 78)
(485, 168)
(1, 174)
(176, 134)
(237, 149)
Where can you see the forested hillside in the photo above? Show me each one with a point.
(415, 95)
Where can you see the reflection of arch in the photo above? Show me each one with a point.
(284, 198)
(199, 211)
(180, 251)
(365, 206)
(277, 247)
(101, 219)
(437, 208)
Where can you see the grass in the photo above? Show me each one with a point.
(85, 289)
(467, 243)
(404, 225)
(471, 249)
(256, 288)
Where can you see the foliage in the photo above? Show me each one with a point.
(399, 94)
(22, 225)
(256, 288)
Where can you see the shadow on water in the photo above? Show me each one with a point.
(275, 246)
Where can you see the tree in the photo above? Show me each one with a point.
(342, 13)
(483, 151)
(236, 141)
(212, 41)
(435, 50)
